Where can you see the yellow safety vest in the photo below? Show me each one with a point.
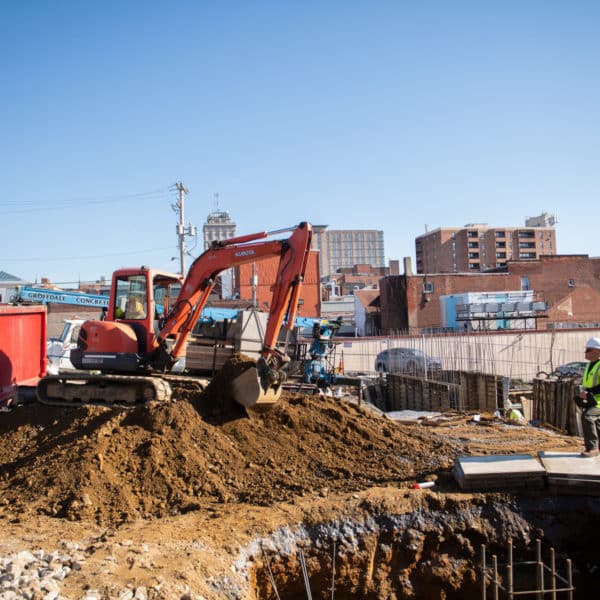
(590, 379)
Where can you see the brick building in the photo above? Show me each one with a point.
(264, 273)
(367, 314)
(569, 284)
(349, 279)
(476, 247)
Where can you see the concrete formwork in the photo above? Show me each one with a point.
(460, 391)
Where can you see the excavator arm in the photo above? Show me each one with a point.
(263, 383)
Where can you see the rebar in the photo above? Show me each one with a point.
(509, 571)
(305, 575)
(333, 571)
(271, 578)
(559, 584)
(483, 561)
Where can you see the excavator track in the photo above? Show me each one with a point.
(191, 383)
(77, 389)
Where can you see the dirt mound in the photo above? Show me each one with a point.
(114, 465)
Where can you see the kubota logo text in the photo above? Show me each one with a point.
(244, 253)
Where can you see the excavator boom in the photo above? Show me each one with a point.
(260, 385)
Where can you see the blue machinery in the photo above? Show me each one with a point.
(320, 369)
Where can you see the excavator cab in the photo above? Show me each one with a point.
(126, 339)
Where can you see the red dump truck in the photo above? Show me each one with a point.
(22, 350)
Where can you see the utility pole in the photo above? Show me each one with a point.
(181, 229)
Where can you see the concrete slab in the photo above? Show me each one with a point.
(570, 464)
(499, 471)
(412, 416)
(569, 473)
(496, 464)
(562, 472)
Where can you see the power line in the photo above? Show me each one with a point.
(34, 206)
(47, 258)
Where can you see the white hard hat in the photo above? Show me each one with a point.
(593, 343)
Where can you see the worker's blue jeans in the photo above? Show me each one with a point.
(590, 421)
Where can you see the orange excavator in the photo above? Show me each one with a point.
(134, 354)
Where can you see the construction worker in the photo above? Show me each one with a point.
(588, 399)
(135, 309)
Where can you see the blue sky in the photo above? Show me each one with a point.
(376, 115)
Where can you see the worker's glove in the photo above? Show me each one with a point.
(586, 402)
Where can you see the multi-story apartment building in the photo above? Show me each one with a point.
(476, 247)
(340, 248)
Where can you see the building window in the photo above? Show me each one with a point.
(474, 266)
(525, 284)
(500, 244)
(427, 287)
(500, 254)
(473, 244)
(500, 234)
(473, 254)
(571, 283)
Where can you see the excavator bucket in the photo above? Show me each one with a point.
(250, 389)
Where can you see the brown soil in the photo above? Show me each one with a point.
(168, 496)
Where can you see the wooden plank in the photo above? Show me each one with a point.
(206, 358)
(202, 351)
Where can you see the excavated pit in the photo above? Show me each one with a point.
(433, 552)
(200, 496)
